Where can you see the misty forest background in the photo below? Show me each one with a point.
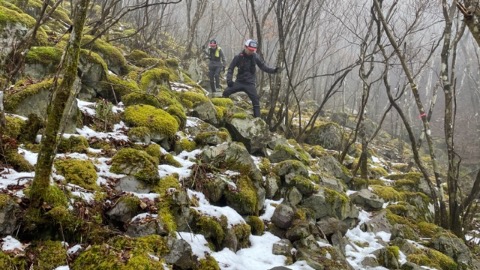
(410, 67)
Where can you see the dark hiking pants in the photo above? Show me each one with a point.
(250, 90)
(214, 76)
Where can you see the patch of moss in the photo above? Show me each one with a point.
(12, 16)
(93, 57)
(13, 99)
(192, 99)
(13, 126)
(211, 229)
(264, 165)
(222, 102)
(185, 144)
(427, 229)
(118, 85)
(179, 114)
(166, 97)
(387, 193)
(136, 55)
(169, 159)
(152, 77)
(242, 232)
(137, 163)
(29, 130)
(172, 62)
(256, 224)
(432, 258)
(71, 144)
(150, 62)
(154, 150)
(48, 255)
(304, 185)
(135, 98)
(78, 172)
(12, 262)
(208, 263)
(138, 133)
(44, 55)
(240, 115)
(17, 161)
(109, 53)
(157, 120)
(244, 197)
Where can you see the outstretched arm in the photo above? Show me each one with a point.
(261, 64)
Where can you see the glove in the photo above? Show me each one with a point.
(229, 83)
(278, 69)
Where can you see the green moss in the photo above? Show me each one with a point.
(332, 196)
(256, 224)
(71, 144)
(293, 153)
(154, 150)
(185, 144)
(167, 98)
(164, 187)
(13, 99)
(109, 53)
(316, 151)
(93, 57)
(137, 163)
(240, 115)
(399, 209)
(211, 229)
(12, 262)
(29, 131)
(222, 102)
(177, 111)
(358, 183)
(387, 193)
(12, 16)
(157, 120)
(119, 86)
(244, 197)
(17, 161)
(13, 126)
(153, 77)
(242, 233)
(264, 165)
(44, 56)
(428, 229)
(220, 112)
(172, 62)
(78, 172)
(192, 99)
(378, 172)
(150, 63)
(432, 258)
(208, 263)
(4, 200)
(48, 255)
(169, 159)
(135, 98)
(136, 55)
(304, 185)
(138, 133)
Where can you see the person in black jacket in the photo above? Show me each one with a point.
(246, 63)
(216, 64)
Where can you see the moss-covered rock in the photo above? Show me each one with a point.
(112, 55)
(243, 198)
(157, 120)
(136, 98)
(78, 172)
(115, 87)
(153, 77)
(137, 163)
(192, 99)
(71, 144)
(47, 255)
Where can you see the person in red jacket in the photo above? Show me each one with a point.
(246, 62)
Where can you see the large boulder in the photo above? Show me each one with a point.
(329, 136)
(252, 132)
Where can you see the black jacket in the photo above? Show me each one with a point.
(246, 68)
(216, 59)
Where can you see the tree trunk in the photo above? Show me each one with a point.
(57, 107)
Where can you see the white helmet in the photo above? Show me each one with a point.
(251, 44)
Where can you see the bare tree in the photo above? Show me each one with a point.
(62, 93)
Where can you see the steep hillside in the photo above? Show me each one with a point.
(151, 173)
